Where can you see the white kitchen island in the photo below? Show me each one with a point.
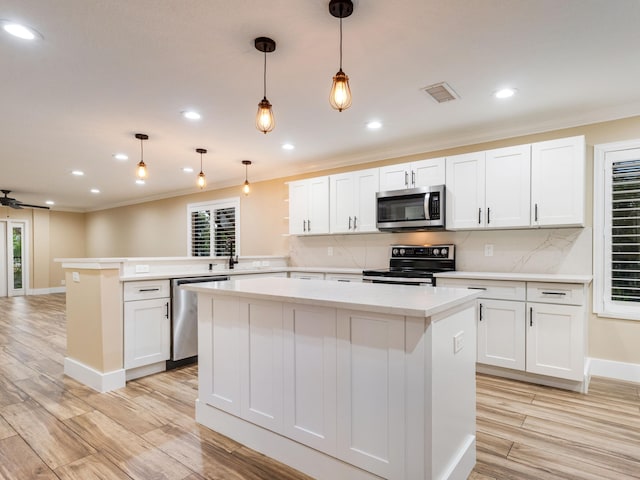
(341, 380)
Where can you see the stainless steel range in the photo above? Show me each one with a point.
(414, 265)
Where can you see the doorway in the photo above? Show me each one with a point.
(13, 271)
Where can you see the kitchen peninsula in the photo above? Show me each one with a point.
(341, 380)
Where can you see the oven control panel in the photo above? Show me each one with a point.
(423, 251)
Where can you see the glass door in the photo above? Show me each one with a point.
(4, 256)
(16, 259)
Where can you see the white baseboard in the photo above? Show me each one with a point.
(99, 381)
(133, 373)
(618, 370)
(46, 291)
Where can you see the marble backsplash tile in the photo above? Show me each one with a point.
(558, 250)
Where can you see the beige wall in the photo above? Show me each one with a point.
(159, 228)
(67, 239)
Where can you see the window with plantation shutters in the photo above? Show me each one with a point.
(213, 228)
(617, 230)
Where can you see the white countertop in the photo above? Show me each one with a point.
(381, 298)
(236, 272)
(522, 277)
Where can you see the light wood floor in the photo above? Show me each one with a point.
(53, 427)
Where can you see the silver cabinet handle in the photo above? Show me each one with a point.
(413, 178)
(148, 289)
(479, 215)
(349, 223)
(553, 293)
(531, 316)
(480, 312)
(406, 179)
(536, 212)
(304, 225)
(167, 314)
(476, 288)
(355, 222)
(308, 225)
(488, 215)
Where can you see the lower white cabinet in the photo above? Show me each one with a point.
(501, 330)
(534, 327)
(307, 275)
(147, 332)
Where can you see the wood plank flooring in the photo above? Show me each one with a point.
(52, 427)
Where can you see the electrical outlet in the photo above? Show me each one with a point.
(142, 268)
(330, 251)
(458, 342)
(75, 276)
(63, 282)
(488, 250)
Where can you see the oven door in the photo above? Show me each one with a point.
(415, 209)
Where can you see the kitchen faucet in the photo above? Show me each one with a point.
(232, 262)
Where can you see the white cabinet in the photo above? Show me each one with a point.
(307, 275)
(343, 277)
(534, 327)
(558, 182)
(501, 331)
(147, 326)
(489, 189)
(353, 201)
(421, 173)
(309, 206)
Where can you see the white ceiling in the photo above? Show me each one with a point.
(106, 69)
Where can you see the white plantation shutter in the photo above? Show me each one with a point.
(625, 231)
(213, 226)
(616, 230)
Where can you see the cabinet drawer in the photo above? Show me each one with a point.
(346, 277)
(496, 289)
(146, 290)
(307, 275)
(562, 293)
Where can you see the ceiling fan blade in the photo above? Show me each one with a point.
(20, 205)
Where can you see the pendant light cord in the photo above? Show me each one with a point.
(141, 151)
(200, 162)
(264, 78)
(340, 43)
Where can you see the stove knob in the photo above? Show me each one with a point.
(394, 251)
(436, 251)
(444, 252)
(402, 251)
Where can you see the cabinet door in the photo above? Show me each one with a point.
(555, 340)
(219, 352)
(508, 187)
(367, 183)
(146, 332)
(261, 367)
(394, 177)
(558, 182)
(501, 333)
(370, 392)
(427, 173)
(298, 199)
(318, 205)
(341, 202)
(310, 376)
(465, 191)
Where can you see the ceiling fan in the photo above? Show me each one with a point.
(7, 201)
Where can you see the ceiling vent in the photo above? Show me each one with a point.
(441, 92)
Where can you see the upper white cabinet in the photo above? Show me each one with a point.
(421, 173)
(309, 206)
(558, 182)
(489, 189)
(352, 201)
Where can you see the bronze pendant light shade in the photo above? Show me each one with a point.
(264, 118)
(340, 96)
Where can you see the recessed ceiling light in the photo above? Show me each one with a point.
(187, 170)
(20, 31)
(288, 146)
(140, 182)
(50, 202)
(95, 190)
(505, 93)
(191, 115)
(374, 125)
(77, 173)
(121, 156)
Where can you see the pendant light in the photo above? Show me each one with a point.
(202, 179)
(141, 171)
(264, 118)
(245, 187)
(340, 96)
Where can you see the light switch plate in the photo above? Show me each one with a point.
(458, 342)
(75, 276)
(488, 250)
(142, 268)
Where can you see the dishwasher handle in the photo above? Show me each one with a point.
(186, 281)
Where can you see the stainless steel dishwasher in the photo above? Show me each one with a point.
(184, 320)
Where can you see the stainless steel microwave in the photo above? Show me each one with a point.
(414, 209)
